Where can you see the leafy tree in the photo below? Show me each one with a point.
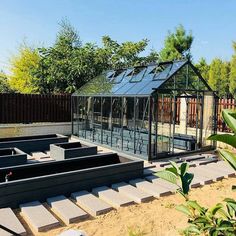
(232, 81)
(219, 76)
(4, 85)
(22, 69)
(177, 45)
(68, 64)
(203, 68)
(126, 54)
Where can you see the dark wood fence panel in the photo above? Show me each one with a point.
(224, 103)
(29, 108)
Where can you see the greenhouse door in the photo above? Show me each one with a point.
(187, 123)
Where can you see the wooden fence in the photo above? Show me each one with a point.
(29, 108)
(224, 103)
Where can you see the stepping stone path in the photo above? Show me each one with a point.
(112, 197)
(38, 216)
(66, 209)
(154, 189)
(131, 192)
(10, 221)
(90, 203)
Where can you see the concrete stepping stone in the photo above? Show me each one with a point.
(38, 216)
(66, 209)
(221, 168)
(193, 158)
(112, 197)
(218, 173)
(10, 221)
(39, 155)
(206, 171)
(224, 165)
(156, 180)
(201, 173)
(198, 182)
(46, 159)
(148, 165)
(151, 171)
(154, 189)
(131, 192)
(167, 163)
(205, 161)
(90, 203)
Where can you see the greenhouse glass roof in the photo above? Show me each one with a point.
(140, 81)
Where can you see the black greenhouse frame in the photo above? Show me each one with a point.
(135, 110)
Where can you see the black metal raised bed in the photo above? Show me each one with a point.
(12, 157)
(35, 143)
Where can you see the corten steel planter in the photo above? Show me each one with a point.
(39, 181)
(61, 151)
(36, 143)
(12, 157)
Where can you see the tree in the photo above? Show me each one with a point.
(203, 68)
(4, 85)
(69, 64)
(232, 80)
(219, 76)
(177, 45)
(22, 69)
(127, 54)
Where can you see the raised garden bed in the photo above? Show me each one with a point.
(61, 151)
(12, 157)
(36, 143)
(39, 181)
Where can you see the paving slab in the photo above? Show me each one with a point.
(156, 180)
(90, 203)
(112, 197)
(66, 209)
(131, 192)
(205, 174)
(154, 189)
(193, 157)
(151, 171)
(39, 155)
(224, 169)
(205, 161)
(167, 163)
(38, 216)
(218, 173)
(10, 221)
(148, 165)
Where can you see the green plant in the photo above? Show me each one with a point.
(218, 220)
(178, 176)
(229, 117)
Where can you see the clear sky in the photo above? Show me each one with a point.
(212, 22)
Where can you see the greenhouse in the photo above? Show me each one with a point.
(150, 111)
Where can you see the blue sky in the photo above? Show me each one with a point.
(212, 23)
